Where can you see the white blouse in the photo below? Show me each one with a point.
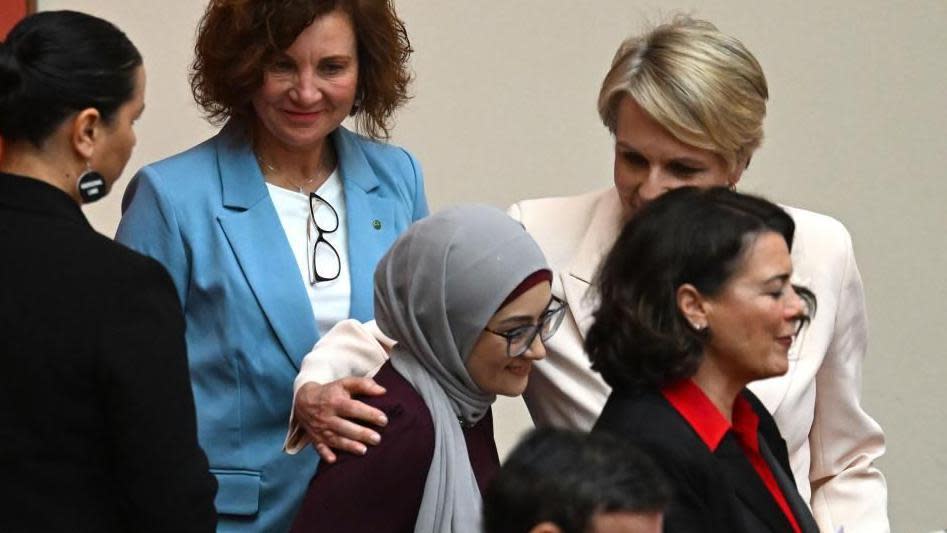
(331, 300)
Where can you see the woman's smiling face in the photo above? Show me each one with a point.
(488, 363)
(754, 317)
(649, 161)
(310, 88)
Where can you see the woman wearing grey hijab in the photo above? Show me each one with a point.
(466, 295)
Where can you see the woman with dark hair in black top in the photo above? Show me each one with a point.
(97, 425)
(696, 303)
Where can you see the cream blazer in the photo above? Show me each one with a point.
(832, 442)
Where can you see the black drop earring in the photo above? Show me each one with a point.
(91, 185)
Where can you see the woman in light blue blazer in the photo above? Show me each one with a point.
(271, 229)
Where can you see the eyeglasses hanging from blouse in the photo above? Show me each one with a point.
(325, 263)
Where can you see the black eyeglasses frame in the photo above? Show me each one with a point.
(314, 276)
(558, 312)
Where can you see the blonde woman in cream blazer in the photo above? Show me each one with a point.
(665, 138)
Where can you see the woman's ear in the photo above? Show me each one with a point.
(692, 305)
(737, 172)
(85, 132)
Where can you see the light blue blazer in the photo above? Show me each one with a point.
(207, 216)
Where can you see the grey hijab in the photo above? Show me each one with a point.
(435, 291)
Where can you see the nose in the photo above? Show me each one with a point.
(536, 351)
(306, 89)
(796, 308)
(654, 185)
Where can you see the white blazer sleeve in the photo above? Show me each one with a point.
(350, 348)
(847, 490)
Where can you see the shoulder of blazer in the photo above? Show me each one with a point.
(193, 167)
(557, 214)
(189, 178)
(393, 167)
(558, 224)
(376, 151)
(818, 238)
(650, 421)
(103, 263)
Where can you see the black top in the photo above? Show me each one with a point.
(714, 491)
(381, 491)
(97, 424)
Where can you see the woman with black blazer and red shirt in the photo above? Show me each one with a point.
(696, 303)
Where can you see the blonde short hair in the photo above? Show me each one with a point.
(702, 85)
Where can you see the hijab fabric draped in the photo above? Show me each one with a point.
(435, 291)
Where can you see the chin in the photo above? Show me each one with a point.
(511, 389)
(776, 369)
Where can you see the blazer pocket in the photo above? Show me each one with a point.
(238, 491)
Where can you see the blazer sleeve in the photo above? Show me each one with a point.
(163, 473)
(350, 348)
(149, 226)
(420, 197)
(847, 490)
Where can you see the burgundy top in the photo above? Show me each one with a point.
(710, 425)
(381, 491)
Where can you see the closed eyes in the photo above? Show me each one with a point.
(676, 168)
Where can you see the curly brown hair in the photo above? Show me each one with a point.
(237, 39)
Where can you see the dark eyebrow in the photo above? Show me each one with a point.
(778, 277)
(516, 321)
(526, 320)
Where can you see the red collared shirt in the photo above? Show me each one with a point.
(711, 426)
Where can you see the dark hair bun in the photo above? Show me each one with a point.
(54, 63)
(10, 75)
(11, 86)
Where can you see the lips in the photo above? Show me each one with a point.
(520, 370)
(301, 116)
(784, 341)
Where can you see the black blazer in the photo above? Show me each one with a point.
(713, 491)
(97, 424)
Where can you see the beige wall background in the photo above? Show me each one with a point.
(504, 109)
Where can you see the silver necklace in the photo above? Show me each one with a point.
(269, 170)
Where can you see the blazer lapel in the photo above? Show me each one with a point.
(596, 243)
(259, 243)
(786, 484)
(370, 218)
(750, 489)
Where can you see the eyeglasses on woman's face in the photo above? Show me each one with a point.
(520, 338)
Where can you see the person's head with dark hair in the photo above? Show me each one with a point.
(243, 46)
(71, 85)
(698, 279)
(558, 481)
